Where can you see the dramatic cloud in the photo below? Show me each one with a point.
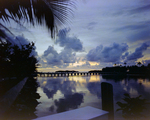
(52, 57)
(117, 53)
(138, 52)
(62, 59)
(111, 53)
(68, 56)
(123, 21)
(69, 42)
(125, 55)
(71, 45)
(50, 50)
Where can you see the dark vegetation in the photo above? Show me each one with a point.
(95, 71)
(5, 85)
(25, 104)
(128, 70)
(132, 108)
(15, 61)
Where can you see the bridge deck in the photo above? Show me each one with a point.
(42, 74)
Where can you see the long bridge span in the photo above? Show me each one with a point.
(62, 74)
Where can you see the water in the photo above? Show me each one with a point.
(60, 94)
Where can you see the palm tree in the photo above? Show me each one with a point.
(132, 108)
(125, 63)
(52, 13)
(139, 63)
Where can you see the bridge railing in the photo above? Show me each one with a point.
(61, 74)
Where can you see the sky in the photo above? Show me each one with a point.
(101, 33)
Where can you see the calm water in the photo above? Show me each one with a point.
(60, 94)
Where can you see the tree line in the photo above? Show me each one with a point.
(134, 69)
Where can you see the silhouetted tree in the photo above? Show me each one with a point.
(115, 64)
(125, 63)
(24, 107)
(148, 67)
(16, 61)
(52, 13)
(133, 107)
(139, 64)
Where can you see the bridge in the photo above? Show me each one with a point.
(65, 74)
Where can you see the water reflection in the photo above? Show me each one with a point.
(95, 88)
(58, 93)
(49, 93)
(130, 85)
(70, 101)
(50, 87)
(139, 88)
(115, 78)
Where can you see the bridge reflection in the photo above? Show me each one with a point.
(59, 74)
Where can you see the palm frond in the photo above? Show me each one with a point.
(52, 13)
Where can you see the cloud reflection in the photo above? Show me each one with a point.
(66, 93)
(53, 85)
(95, 88)
(70, 101)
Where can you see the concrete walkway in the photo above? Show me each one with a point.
(10, 96)
(85, 113)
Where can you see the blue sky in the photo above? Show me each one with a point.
(101, 33)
